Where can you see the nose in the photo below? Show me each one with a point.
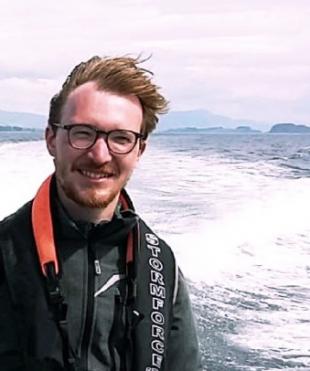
(99, 152)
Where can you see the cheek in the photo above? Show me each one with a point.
(63, 150)
(130, 164)
(64, 157)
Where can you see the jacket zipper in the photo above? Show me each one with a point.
(89, 309)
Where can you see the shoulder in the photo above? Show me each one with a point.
(10, 228)
(19, 217)
(153, 241)
(151, 236)
(15, 231)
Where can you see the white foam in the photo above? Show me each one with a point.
(270, 229)
(23, 166)
(225, 217)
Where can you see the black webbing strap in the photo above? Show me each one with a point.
(133, 317)
(60, 309)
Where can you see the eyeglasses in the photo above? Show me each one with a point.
(83, 136)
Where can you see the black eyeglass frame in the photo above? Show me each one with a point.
(99, 132)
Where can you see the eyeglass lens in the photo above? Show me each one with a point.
(118, 141)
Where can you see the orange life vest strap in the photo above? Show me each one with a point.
(43, 228)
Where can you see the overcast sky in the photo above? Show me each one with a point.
(240, 58)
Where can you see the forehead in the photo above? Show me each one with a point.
(88, 104)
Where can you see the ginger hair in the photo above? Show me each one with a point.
(121, 75)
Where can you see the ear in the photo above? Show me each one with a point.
(142, 147)
(50, 139)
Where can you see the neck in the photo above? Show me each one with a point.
(87, 214)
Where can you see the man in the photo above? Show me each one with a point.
(85, 285)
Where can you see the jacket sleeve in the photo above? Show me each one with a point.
(11, 356)
(183, 349)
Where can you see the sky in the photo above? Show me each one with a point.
(245, 59)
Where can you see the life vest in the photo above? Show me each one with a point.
(152, 285)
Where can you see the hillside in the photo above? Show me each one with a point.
(22, 119)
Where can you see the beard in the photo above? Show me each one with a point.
(92, 196)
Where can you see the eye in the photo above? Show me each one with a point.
(82, 132)
(122, 137)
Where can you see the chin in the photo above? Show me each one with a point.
(90, 198)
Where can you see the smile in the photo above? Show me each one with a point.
(95, 175)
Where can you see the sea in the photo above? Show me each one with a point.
(235, 209)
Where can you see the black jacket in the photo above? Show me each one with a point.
(94, 284)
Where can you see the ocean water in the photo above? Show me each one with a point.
(235, 209)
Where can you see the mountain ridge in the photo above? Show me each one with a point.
(202, 118)
(23, 119)
(172, 120)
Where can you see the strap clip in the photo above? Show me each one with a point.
(52, 283)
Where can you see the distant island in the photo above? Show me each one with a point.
(289, 128)
(213, 130)
(281, 128)
(14, 128)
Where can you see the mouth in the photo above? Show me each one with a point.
(95, 175)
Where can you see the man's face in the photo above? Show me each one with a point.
(94, 177)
